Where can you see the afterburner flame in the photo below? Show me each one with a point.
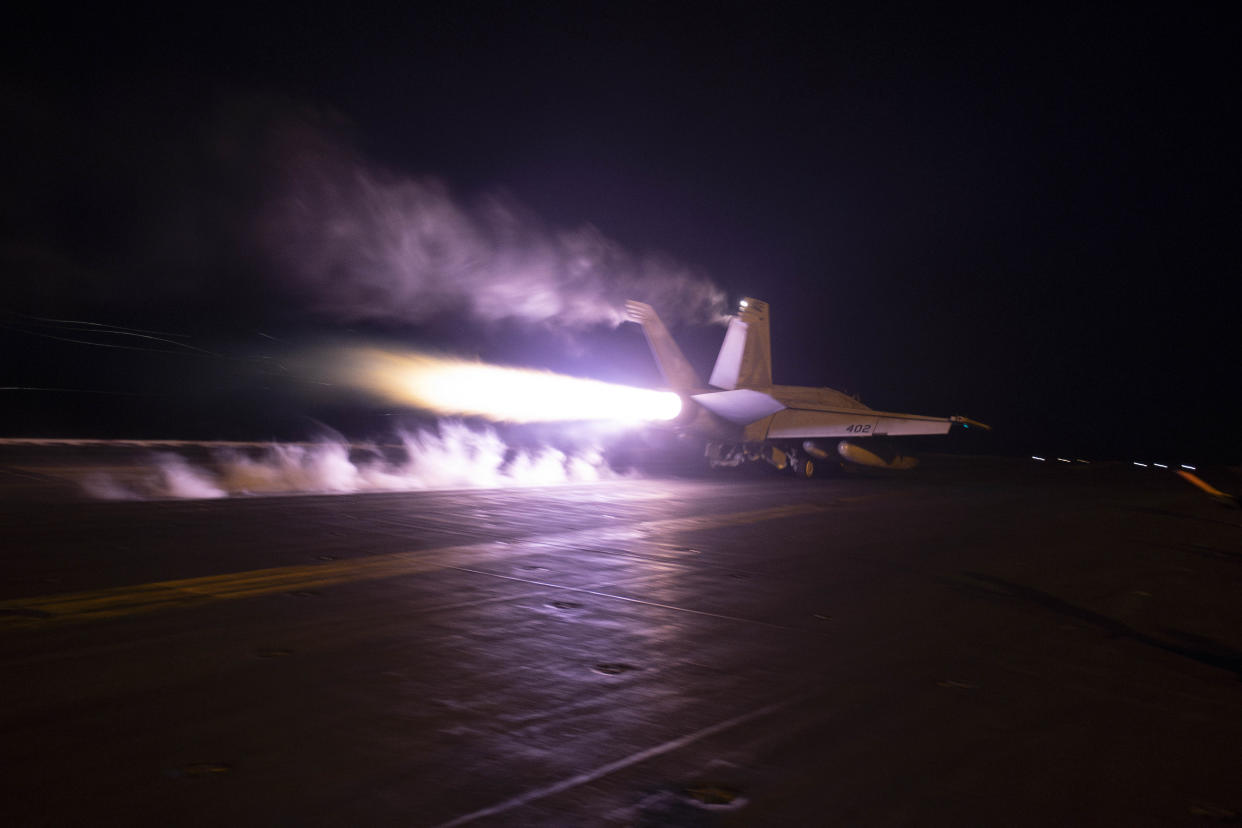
(499, 393)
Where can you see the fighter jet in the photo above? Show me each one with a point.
(749, 419)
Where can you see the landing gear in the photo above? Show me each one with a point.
(784, 457)
(722, 455)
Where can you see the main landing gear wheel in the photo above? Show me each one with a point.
(803, 467)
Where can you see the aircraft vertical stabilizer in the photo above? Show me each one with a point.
(745, 359)
(678, 372)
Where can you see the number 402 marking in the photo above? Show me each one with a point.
(859, 429)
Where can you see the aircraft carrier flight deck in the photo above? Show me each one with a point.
(981, 642)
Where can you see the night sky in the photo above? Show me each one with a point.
(1030, 218)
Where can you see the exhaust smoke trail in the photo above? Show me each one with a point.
(499, 393)
(357, 242)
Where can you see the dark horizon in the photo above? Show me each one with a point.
(1025, 219)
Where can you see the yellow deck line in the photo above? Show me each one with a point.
(143, 598)
(1198, 481)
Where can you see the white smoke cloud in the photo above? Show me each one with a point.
(359, 243)
(452, 457)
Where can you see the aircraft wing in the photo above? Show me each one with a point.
(803, 423)
(744, 406)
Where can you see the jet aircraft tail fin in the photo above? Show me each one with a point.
(678, 372)
(745, 359)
